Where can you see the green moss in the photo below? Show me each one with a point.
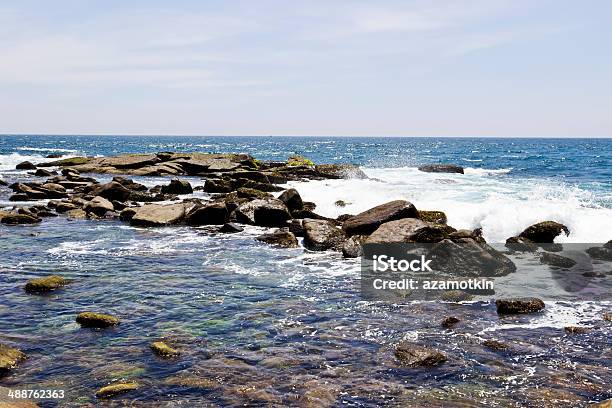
(163, 350)
(71, 161)
(436, 217)
(98, 320)
(297, 160)
(116, 389)
(46, 284)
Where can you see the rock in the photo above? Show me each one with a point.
(15, 219)
(69, 162)
(257, 185)
(340, 171)
(468, 257)
(19, 197)
(155, 215)
(296, 227)
(218, 186)
(76, 214)
(495, 345)
(112, 390)
(340, 203)
(211, 214)
(177, 186)
(251, 193)
(46, 284)
(281, 238)
(112, 191)
(96, 320)
(368, 221)
(297, 160)
(413, 355)
(127, 214)
(404, 230)
(556, 260)
(292, 199)
(519, 305)
(3, 183)
(352, 246)
(520, 244)
(441, 168)
(268, 212)
(435, 217)
(129, 161)
(9, 358)
(99, 206)
(129, 184)
(576, 329)
(607, 316)
(456, 296)
(602, 253)
(163, 350)
(544, 232)
(230, 228)
(449, 321)
(26, 165)
(43, 173)
(604, 404)
(321, 235)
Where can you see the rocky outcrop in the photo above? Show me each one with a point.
(544, 232)
(211, 214)
(519, 305)
(556, 260)
(156, 215)
(414, 355)
(281, 238)
(96, 320)
(368, 221)
(252, 193)
(112, 390)
(45, 284)
(603, 253)
(321, 235)
(469, 257)
(441, 168)
(340, 171)
(9, 358)
(177, 186)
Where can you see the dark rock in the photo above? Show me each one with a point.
(456, 296)
(218, 186)
(495, 345)
(340, 203)
(368, 221)
(343, 217)
(96, 320)
(244, 192)
(26, 165)
(576, 329)
(413, 355)
(257, 185)
(469, 258)
(441, 168)
(607, 316)
(15, 219)
(118, 205)
(340, 171)
(292, 199)
(449, 321)
(403, 230)
(519, 305)
(321, 235)
(112, 191)
(296, 227)
(230, 228)
(556, 260)
(3, 183)
(53, 156)
(128, 183)
(177, 186)
(520, 244)
(43, 173)
(280, 238)
(309, 206)
(9, 358)
(99, 206)
(64, 206)
(602, 253)
(153, 215)
(544, 232)
(127, 214)
(19, 197)
(352, 246)
(268, 212)
(211, 214)
(435, 217)
(45, 284)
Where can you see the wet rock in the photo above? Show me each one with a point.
(127, 183)
(519, 305)
(321, 235)
(96, 320)
(77, 213)
(257, 186)
(268, 212)
(352, 246)
(544, 232)
(129, 161)
(251, 193)
(112, 191)
(368, 221)
(435, 217)
(297, 160)
(556, 260)
(404, 230)
(414, 355)
(449, 321)
(340, 171)
(317, 394)
(292, 199)
(68, 162)
(164, 350)
(16, 219)
(296, 227)
(177, 186)
(19, 197)
(602, 253)
(577, 329)
(218, 186)
(211, 214)
(154, 215)
(3, 183)
(26, 165)
(112, 390)
(468, 257)
(343, 217)
(43, 173)
(45, 284)
(441, 168)
(520, 244)
(127, 214)
(230, 228)
(495, 345)
(281, 238)
(9, 358)
(99, 206)
(456, 296)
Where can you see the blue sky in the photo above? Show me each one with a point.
(411, 68)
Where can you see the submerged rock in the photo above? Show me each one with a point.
(155, 215)
(321, 235)
(495, 345)
(368, 221)
(45, 284)
(96, 320)
(556, 260)
(519, 305)
(177, 186)
(414, 355)
(441, 168)
(9, 358)
(280, 238)
(112, 390)
(544, 232)
(163, 350)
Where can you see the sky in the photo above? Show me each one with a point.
(334, 67)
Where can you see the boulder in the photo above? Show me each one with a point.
(449, 321)
(218, 186)
(577, 329)
(19, 197)
(230, 228)
(556, 260)
(76, 214)
(210, 214)
(128, 183)
(155, 215)
(603, 253)
(64, 206)
(99, 206)
(404, 230)
(68, 162)
(296, 227)
(244, 192)
(414, 355)
(164, 350)
(177, 186)
(268, 212)
(434, 217)
(45, 284)
(43, 173)
(544, 232)
(352, 246)
(15, 219)
(520, 244)
(129, 161)
(441, 168)
(96, 320)
(368, 221)
(3, 183)
(468, 257)
(280, 238)
(340, 171)
(112, 191)
(127, 213)
(112, 390)
(9, 358)
(519, 305)
(26, 165)
(321, 235)
(292, 199)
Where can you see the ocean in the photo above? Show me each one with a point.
(263, 326)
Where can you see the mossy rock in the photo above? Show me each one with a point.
(112, 390)
(245, 192)
(436, 217)
(45, 284)
(71, 161)
(97, 320)
(163, 350)
(297, 160)
(9, 358)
